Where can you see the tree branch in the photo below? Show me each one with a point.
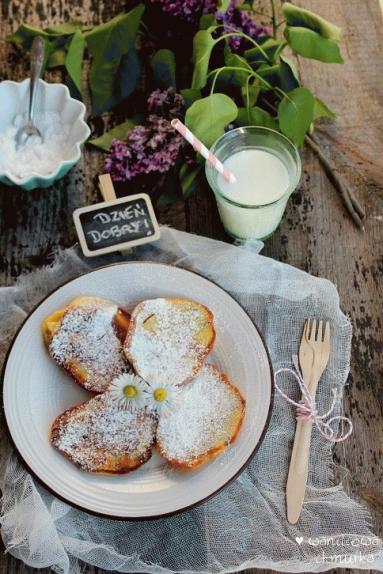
(352, 204)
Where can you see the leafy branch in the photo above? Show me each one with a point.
(253, 85)
(281, 102)
(295, 106)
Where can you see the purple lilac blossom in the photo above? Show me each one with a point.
(150, 148)
(190, 10)
(239, 20)
(166, 103)
(234, 19)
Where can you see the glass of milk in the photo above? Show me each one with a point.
(267, 168)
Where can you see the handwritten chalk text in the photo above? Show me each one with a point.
(117, 231)
(130, 212)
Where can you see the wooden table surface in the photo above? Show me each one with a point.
(316, 234)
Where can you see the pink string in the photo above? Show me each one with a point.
(307, 409)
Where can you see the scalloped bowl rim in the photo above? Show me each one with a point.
(62, 163)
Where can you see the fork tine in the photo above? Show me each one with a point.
(320, 332)
(305, 329)
(313, 330)
(308, 328)
(327, 332)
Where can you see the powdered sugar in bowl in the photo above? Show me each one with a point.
(59, 117)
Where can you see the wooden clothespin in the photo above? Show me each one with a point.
(106, 187)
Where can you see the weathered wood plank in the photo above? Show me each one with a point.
(315, 235)
(319, 237)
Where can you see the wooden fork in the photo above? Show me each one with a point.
(314, 353)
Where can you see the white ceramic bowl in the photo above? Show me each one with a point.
(14, 98)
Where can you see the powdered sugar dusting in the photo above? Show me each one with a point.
(203, 419)
(36, 156)
(86, 337)
(170, 353)
(91, 433)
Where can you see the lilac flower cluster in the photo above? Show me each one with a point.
(239, 20)
(150, 148)
(166, 103)
(234, 19)
(190, 10)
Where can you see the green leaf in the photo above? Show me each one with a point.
(189, 178)
(115, 67)
(56, 58)
(74, 59)
(117, 133)
(248, 5)
(222, 5)
(304, 18)
(295, 114)
(282, 75)
(170, 187)
(207, 21)
(190, 95)
(164, 68)
(256, 117)
(235, 77)
(270, 47)
(289, 74)
(251, 92)
(24, 35)
(49, 48)
(310, 44)
(236, 61)
(270, 74)
(203, 44)
(322, 111)
(128, 75)
(208, 117)
(65, 29)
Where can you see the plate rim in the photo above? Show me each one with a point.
(156, 516)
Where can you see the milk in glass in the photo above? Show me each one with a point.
(261, 180)
(267, 169)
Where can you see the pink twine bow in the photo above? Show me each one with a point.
(307, 409)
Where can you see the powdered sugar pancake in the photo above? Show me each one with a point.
(85, 339)
(206, 421)
(99, 436)
(169, 338)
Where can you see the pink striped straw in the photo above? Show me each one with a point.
(198, 146)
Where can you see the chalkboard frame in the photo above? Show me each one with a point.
(117, 246)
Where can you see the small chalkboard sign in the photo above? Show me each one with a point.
(116, 224)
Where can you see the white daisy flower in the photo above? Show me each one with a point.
(129, 392)
(163, 398)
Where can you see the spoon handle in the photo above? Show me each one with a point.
(37, 58)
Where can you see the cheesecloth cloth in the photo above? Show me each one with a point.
(245, 525)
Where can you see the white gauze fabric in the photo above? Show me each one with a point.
(245, 525)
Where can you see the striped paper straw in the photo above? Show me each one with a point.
(198, 146)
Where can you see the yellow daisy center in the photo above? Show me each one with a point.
(130, 391)
(160, 395)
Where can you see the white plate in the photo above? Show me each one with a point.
(36, 391)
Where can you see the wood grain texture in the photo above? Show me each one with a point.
(315, 235)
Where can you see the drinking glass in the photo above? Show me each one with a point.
(243, 221)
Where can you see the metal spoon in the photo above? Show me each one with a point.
(37, 57)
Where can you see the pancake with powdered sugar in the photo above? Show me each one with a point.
(85, 338)
(207, 418)
(169, 338)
